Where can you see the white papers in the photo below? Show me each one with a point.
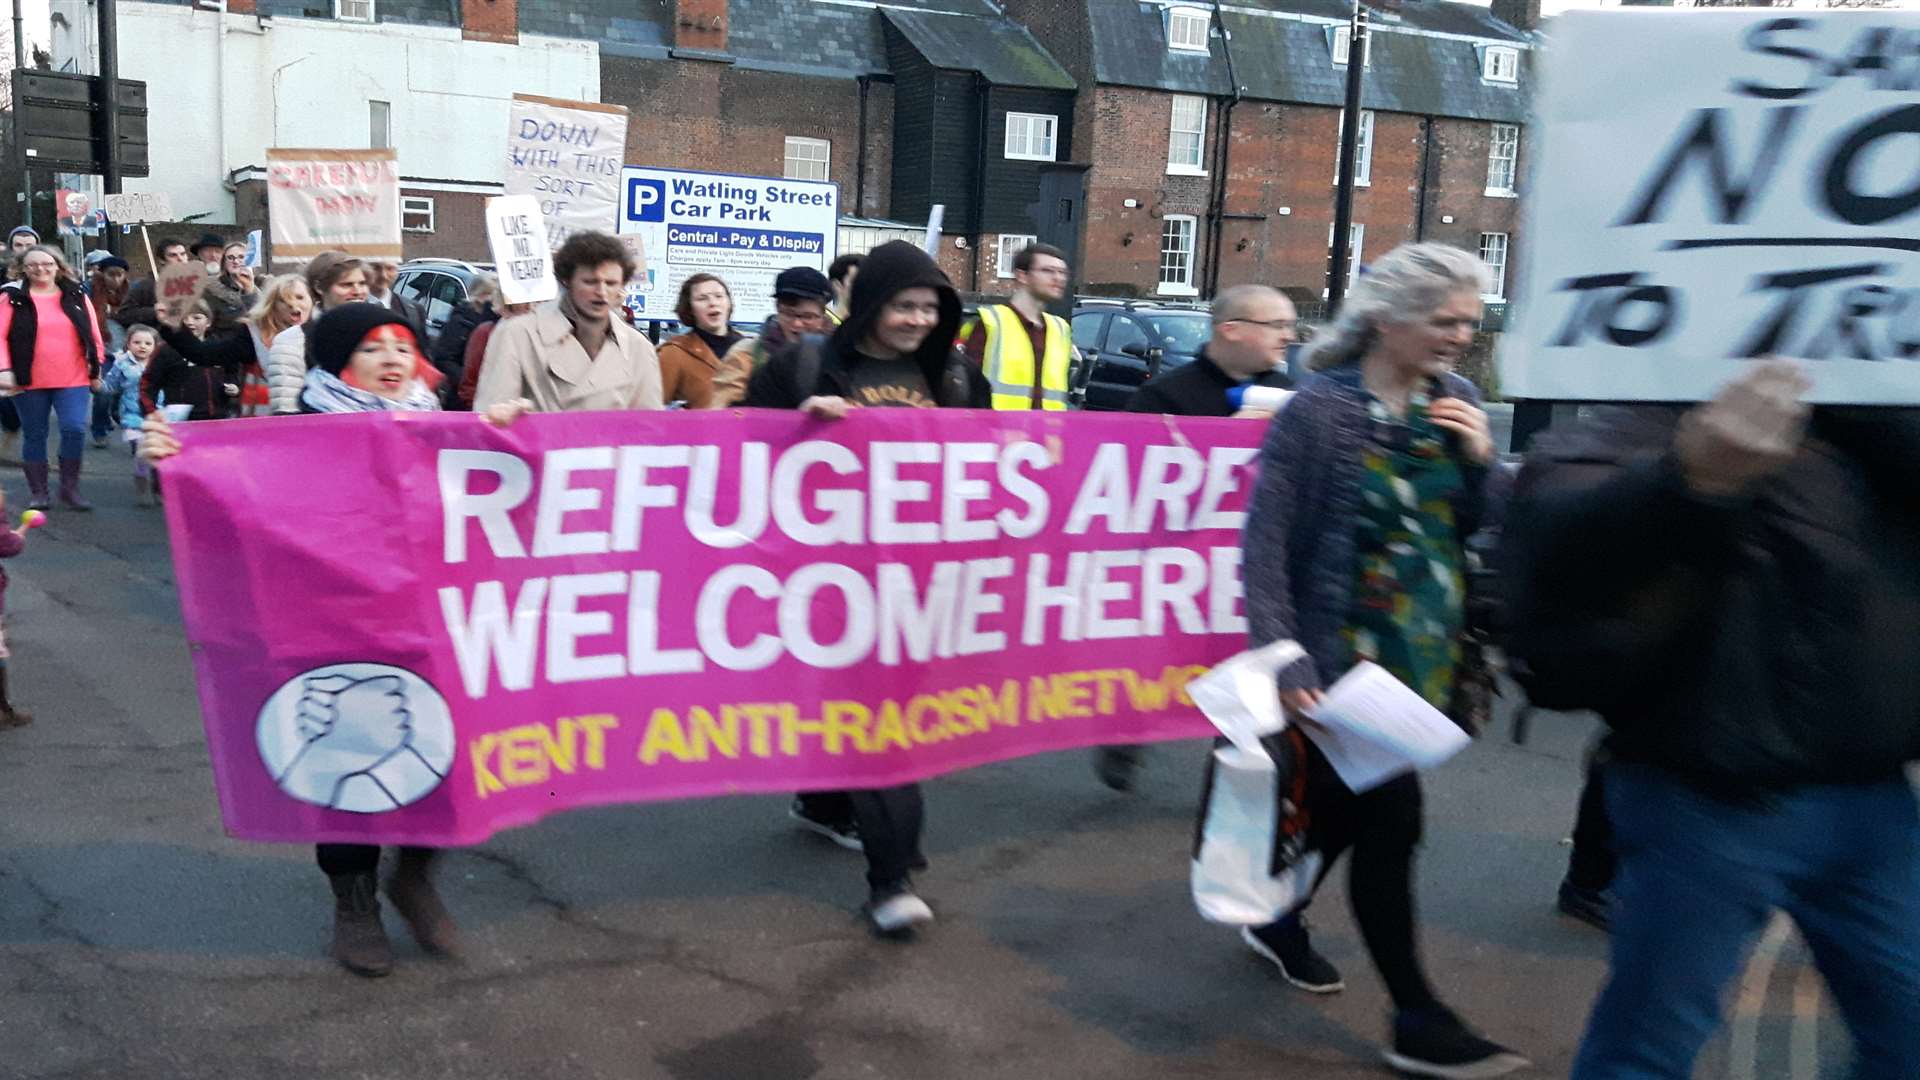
(1372, 728)
(1238, 695)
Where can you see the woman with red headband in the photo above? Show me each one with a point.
(365, 360)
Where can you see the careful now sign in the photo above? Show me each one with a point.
(1716, 187)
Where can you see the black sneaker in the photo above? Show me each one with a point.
(844, 833)
(1591, 906)
(1434, 1043)
(895, 912)
(1292, 952)
(1116, 766)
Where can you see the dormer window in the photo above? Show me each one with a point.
(1187, 29)
(1502, 64)
(1343, 44)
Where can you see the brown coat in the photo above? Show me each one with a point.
(687, 365)
(536, 356)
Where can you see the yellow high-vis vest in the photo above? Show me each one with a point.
(1009, 362)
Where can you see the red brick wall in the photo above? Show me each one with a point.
(1128, 148)
(459, 228)
(1281, 157)
(490, 20)
(696, 115)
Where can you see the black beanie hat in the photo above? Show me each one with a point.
(341, 329)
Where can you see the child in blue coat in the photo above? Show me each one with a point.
(123, 381)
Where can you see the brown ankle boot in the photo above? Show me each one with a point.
(359, 940)
(410, 887)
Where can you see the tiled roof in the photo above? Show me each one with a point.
(1423, 62)
(1002, 51)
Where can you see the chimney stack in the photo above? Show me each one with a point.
(491, 20)
(700, 26)
(1520, 14)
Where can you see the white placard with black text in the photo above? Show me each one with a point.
(518, 236)
(1710, 187)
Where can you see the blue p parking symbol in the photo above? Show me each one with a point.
(646, 200)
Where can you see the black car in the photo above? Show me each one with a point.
(1126, 343)
(438, 286)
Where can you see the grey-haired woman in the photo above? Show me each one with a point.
(1371, 481)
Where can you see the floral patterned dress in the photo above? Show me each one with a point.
(1409, 593)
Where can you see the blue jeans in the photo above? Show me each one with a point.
(73, 404)
(105, 405)
(1699, 879)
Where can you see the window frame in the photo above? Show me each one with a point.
(1499, 293)
(1495, 59)
(1511, 159)
(1340, 46)
(1003, 253)
(806, 142)
(1356, 248)
(410, 204)
(1190, 15)
(1053, 137)
(340, 11)
(1363, 150)
(1174, 132)
(383, 139)
(1179, 287)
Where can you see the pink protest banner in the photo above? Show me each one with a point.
(414, 628)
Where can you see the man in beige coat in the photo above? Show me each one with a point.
(573, 354)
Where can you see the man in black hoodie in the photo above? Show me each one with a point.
(895, 349)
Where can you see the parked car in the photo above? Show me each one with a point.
(1125, 343)
(438, 286)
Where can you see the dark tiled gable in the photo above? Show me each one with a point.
(1000, 50)
(1290, 60)
(807, 37)
(620, 26)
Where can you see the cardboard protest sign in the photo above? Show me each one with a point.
(592, 608)
(518, 238)
(1712, 187)
(180, 284)
(568, 155)
(333, 200)
(138, 209)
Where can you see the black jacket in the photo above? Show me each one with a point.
(23, 331)
(1198, 388)
(449, 351)
(1746, 645)
(185, 382)
(821, 366)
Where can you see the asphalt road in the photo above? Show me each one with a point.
(708, 940)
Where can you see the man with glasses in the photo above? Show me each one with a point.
(1252, 327)
(1026, 352)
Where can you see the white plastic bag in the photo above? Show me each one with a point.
(1253, 797)
(1234, 866)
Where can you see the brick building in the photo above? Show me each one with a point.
(1212, 133)
(905, 105)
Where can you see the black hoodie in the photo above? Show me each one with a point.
(834, 366)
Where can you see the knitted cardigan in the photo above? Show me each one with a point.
(1300, 538)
